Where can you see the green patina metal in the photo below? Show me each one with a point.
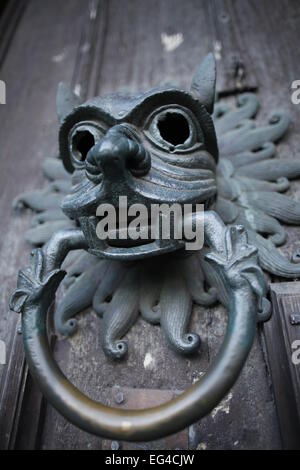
(156, 147)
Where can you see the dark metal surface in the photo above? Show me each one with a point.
(295, 319)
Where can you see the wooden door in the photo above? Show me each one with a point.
(103, 46)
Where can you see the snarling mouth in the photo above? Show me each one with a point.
(119, 245)
(163, 231)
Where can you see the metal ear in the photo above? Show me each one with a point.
(66, 101)
(204, 82)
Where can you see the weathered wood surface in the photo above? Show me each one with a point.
(283, 341)
(104, 46)
(32, 67)
(10, 12)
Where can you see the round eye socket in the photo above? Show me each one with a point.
(82, 142)
(174, 129)
(81, 139)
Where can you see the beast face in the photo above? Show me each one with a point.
(156, 147)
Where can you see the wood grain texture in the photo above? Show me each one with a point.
(10, 15)
(280, 335)
(41, 52)
(236, 71)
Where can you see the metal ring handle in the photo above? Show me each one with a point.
(151, 423)
(236, 263)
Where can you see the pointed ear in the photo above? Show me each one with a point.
(204, 82)
(66, 101)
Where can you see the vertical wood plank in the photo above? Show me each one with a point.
(121, 47)
(280, 335)
(37, 53)
(236, 72)
(11, 13)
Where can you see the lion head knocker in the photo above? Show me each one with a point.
(154, 148)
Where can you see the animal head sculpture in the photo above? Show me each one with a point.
(156, 147)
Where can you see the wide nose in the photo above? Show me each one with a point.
(118, 153)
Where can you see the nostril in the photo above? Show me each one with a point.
(117, 149)
(133, 147)
(140, 162)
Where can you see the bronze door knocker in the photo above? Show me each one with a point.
(156, 147)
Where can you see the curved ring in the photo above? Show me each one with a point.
(152, 423)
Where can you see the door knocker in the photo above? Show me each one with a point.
(164, 146)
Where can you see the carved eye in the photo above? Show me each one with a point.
(81, 139)
(174, 129)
